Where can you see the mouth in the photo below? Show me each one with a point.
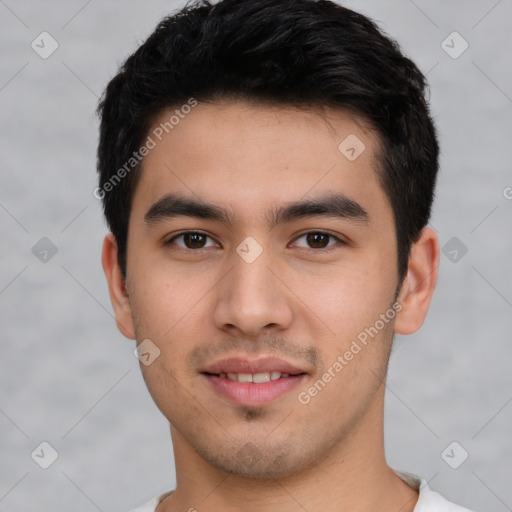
(256, 378)
(253, 383)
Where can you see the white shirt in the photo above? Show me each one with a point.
(428, 501)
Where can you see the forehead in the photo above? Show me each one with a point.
(247, 156)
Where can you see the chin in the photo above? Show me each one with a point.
(251, 461)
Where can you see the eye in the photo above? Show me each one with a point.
(318, 240)
(191, 240)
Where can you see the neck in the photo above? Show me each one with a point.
(353, 475)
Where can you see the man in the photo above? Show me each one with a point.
(267, 169)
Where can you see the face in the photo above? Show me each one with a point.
(261, 250)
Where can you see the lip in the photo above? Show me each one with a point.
(247, 365)
(251, 394)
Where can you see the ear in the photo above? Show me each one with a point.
(419, 283)
(116, 287)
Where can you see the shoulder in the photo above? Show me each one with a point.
(432, 501)
(429, 500)
(150, 506)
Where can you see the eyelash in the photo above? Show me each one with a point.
(326, 249)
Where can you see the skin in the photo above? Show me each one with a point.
(296, 301)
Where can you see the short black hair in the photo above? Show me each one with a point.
(290, 52)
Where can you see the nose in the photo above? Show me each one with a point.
(251, 300)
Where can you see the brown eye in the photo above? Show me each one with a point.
(191, 240)
(318, 240)
(194, 240)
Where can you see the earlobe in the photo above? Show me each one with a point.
(419, 283)
(116, 287)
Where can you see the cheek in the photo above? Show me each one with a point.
(347, 299)
(169, 309)
(165, 299)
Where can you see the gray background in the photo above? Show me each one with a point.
(69, 378)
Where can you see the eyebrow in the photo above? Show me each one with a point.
(332, 205)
